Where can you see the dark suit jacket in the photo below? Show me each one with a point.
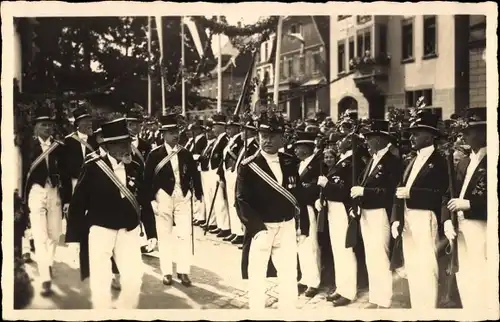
(380, 184)
(144, 147)
(97, 201)
(257, 202)
(309, 180)
(217, 151)
(73, 154)
(231, 156)
(429, 186)
(57, 166)
(204, 159)
(165, 179)
(476, 191)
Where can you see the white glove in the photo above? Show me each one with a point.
(394, 229)
(456, 204)
(322, 181)
(151, 244)
(357, 191)
(449, 230)
(154, 205)
(403, 193)
(317, 205)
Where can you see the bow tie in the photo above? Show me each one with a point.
(45, 143)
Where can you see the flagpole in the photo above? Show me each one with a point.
(182, 66)
(159, 30)
(277, 61)
(149, 61)
(219, 73)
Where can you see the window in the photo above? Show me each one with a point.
(341, 58)
(351, 49)
(477, 35)
(430, 36)
(316, 62)
(290, 67)
(382, 39)
(364, 42)
(265, 51)
(363, 19)
(284, 69)
(343, 17)
(412, 97)
(302, 64)
(407, 39)
(296, 29)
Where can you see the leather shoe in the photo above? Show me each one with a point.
(238, 240)
(301, 288)
(46, 289)
(332, 297)
(200, 222)
(224, 233)
(229, 238)
(184, 279)
(209, 227)
(240, 246)
(214, 231)
(167, 279)
(311, 292)
(341, 301)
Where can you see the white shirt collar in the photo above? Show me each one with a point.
(102, 152)
(82, 135)
(424, 152)
(199, 136)
(169, 148)
(379, 154)
(308, 159)
(114, 162)
(46, 142)
(270, 157)
(479, 155)
(211, 140)
(345, 155)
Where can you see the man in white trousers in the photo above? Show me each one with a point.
(375, 191)
(228, 173)
(172, 184)
(471, 210)
(424, 183)
(268, 194)
(220, 210)
(309, 253)
(206, 179)
(105, 217)
(47, 189)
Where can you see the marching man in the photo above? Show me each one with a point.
(140, 148)
(171, 180)
(471, 208)
(424, 183)
(228, 174)
(267, 194)
(77, 145)
(105, 216)
(47, 190)
(375, 191)
(206, 178)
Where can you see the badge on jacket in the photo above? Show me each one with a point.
(292, 182)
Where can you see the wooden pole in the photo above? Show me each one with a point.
(182, 66)
(279, 36)
(219, 73)
(159, 29)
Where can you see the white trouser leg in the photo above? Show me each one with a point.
(472, 277)
(210, 183)
(346, 269)
(420, 251)
(101, 244)
(183, 230)
(128, 258)
(376, 233)
(46, 223)
(164, 225)
(220, 207)
(309, 254)
(284, 256)
(234, 220)
(258, 258)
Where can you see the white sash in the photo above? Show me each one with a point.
(165, 160)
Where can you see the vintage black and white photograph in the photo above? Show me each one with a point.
(249, 162)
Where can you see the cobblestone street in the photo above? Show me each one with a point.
(216, 283)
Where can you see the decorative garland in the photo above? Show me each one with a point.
(223, 27)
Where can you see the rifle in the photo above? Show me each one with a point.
(353, 227)
(397, 257)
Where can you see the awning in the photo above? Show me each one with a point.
(314, 82)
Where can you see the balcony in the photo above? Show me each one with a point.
(371, 73)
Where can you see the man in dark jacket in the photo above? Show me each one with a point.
(268, 196)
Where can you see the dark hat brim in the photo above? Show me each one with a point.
(424, 128)
(305, 142)
(81, 117)
(263, 128)
(44, 118)
(379, 133)
(114, 139)
(169, 127)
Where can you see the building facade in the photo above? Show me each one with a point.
(304, 66)
(390, 61)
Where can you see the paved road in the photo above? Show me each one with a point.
(216, 283)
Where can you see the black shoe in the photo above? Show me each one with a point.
(144, 250)
(311, 292)
(27, 258)
(302, 288)
(229, 238)
(240, 246)
(208, 227)
(332, 297)
(184, 279)
(341, 301)
(238, 240)
(224, 233)
(167, 279)
(201, 223)
(214, 231)
(46, 289)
